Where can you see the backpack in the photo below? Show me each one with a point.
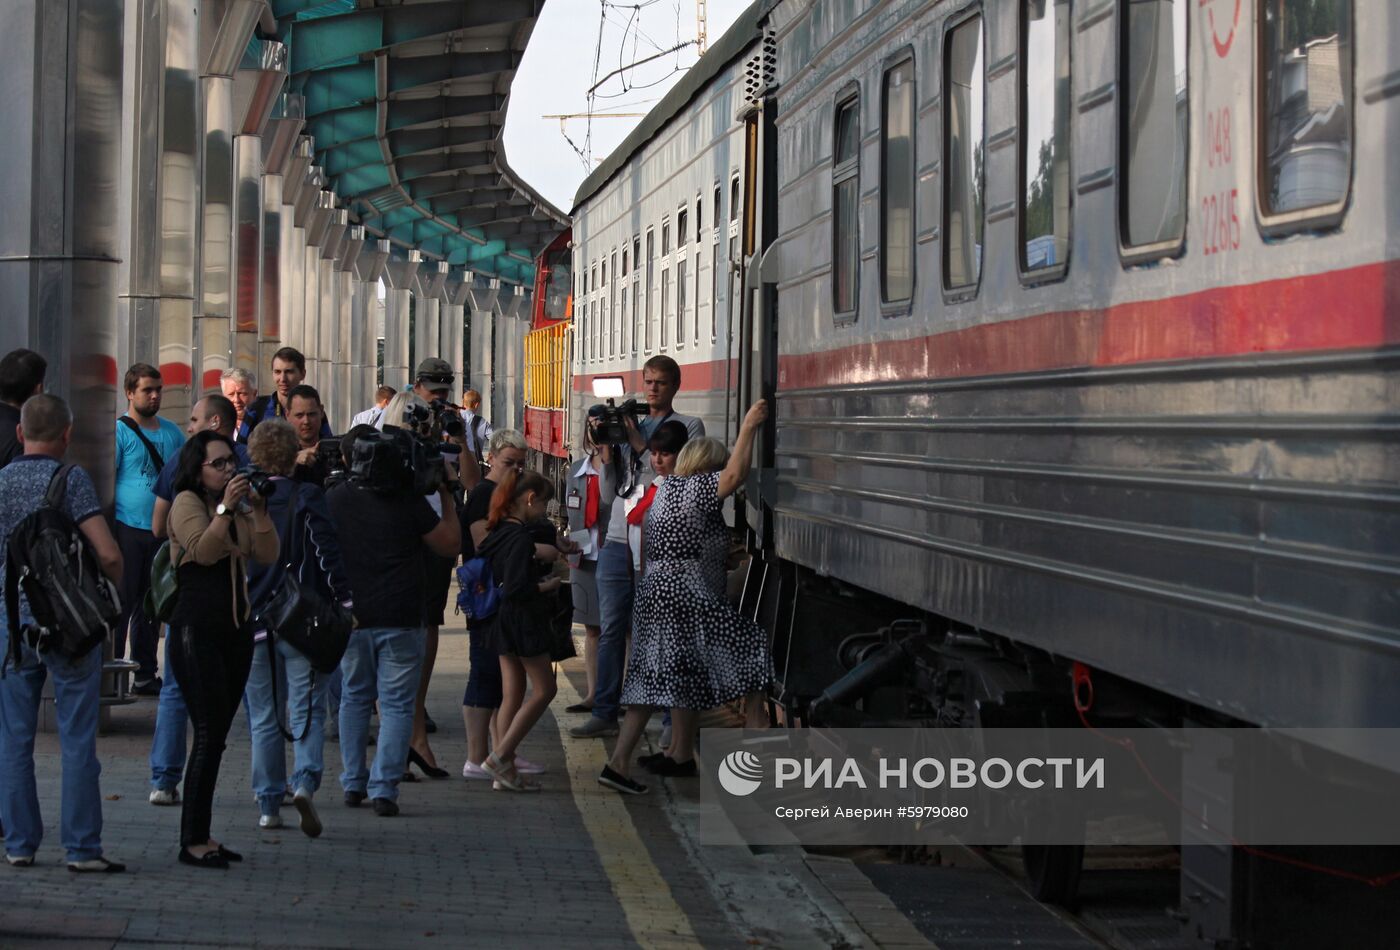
(480, 595)
(75, 606)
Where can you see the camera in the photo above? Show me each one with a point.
(330, 461)
(404, 458)
(612, 426)
(448, 419)
(260, 483)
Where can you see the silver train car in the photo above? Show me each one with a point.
(1079, 322)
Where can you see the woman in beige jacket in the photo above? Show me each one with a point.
(216, 525)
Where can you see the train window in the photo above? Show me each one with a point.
(593, 314)
(1044, 142)
(665, 304)
(665, 239)
(1153, 121)
(715, 215)
(845, 210)
(699, 217)
(682, 227)
(697, 293)
(734, 199)
(636, 291)
(964, 143)
(606, 293)
(622, 309)
(651, 271)
(714, 288)
(612, 309)
(681, 297)
(897, 185)
(1305, 110)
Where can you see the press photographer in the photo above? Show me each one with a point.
(385, 528)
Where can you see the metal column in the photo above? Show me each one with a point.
(343, 274)
(60, 135)
(398, 275)
(482, 296)
(278, 142)
(320, 360)
(427, 314)
(364, 335)
(224, 30)
(318, 220)
(454, 326)
(255, 92)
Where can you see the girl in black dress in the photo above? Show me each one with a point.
(520, 631)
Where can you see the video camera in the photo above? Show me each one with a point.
(404, 458)
(612, 425)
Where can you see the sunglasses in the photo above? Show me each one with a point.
(222, 464)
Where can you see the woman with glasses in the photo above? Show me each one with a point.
(216, 525)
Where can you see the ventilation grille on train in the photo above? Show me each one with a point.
(761, 69)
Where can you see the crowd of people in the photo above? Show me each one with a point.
(230, 534)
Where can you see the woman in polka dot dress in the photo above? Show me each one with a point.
(691, 650)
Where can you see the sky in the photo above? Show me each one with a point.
(559, 67)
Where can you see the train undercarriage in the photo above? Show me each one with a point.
(846, 658)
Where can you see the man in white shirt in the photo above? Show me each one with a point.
(478, 429)
(374, 413)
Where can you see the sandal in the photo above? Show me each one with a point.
(506, 776)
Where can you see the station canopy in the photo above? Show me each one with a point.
(406, 103)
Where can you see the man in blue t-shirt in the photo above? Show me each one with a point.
(46, 426)
(145, 442)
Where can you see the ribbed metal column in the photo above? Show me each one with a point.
(342, 343)
(307, 209)
(224, 29)
(399, 276)
(427, 327)
(60, 147)
(364, 335)
(322, 355)
(482, 295)
(454, 302)
(138, 300)
(292, 291)
(318, 219)
(279, 142)
(255, 91)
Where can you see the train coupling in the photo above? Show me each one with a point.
(882, 658)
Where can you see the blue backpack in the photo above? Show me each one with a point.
(480, 596)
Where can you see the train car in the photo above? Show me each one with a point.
(547, 379)
(658, 260)
(1077, 319)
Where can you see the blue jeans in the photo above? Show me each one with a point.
(168, 747)
(301, 691)
(76, 704)
(615, 593)
(389, 659)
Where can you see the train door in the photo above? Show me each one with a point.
(758, 316)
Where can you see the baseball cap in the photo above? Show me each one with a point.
(437, 372)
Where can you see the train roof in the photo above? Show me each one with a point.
(739, 37)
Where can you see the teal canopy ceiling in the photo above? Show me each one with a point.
(406, 104)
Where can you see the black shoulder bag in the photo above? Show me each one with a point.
(317, 625)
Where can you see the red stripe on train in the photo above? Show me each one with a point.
(1345, 309)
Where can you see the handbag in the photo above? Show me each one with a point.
(318, 626)
(165, 585)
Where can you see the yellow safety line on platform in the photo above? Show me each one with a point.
(653, 915)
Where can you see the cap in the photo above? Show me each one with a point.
(437, 372)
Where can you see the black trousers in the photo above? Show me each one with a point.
(211, 666)
(138, 549)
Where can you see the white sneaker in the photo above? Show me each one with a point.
(310, 821)
(269, 821)
(19, 860)
(471, 770)
(164, 796)
(525, 767)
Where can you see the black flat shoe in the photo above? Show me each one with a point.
(649, 762)
(620, 783)
(354, 798)
(429, 770)
(211, 859)
(232, 856)
(673, 769)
